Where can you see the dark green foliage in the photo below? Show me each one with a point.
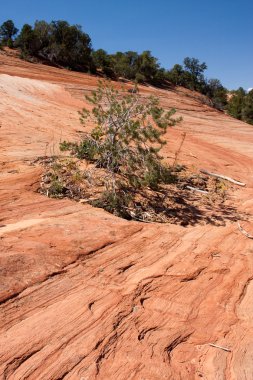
(102, 62)
(217, 93)
(240, 105)
(125, 64)
(85, 149)
(58, 42)
(115, 202)
(42, 33)
(7, 32)
(68, 46)
(191, 75)
(139, 78)
(247, 109)
(124, 134)
(125, 143)
(194, 74)
(101, 59)
(195, 68)
(148, 66)
(176, 75)
(157, 174)
(236, 102)
(27, 41)
(130, 65)
(10, 43)
(57, 187)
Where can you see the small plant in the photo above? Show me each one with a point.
(63, 179)
(125, 143)
(115, 203)
(126, 139)
(56, 189)
(219, 189)
(10, 43)
(118, 165)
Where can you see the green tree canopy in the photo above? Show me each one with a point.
(7, 31)
(176, 75)
(148, 65)
(247, 108)
(235, 103)
(193, 66)
(58, 42)
(102, 61)
(68, 46)
(194, 73)
(217, 93)
(125, 64)
(27, 40)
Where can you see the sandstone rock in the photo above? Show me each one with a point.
(86, 295)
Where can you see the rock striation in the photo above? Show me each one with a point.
(86, 295)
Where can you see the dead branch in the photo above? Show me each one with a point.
(179, 149)
(82, 200)
(222, 348)
(222, 177)
(192, 155)
(242, 230)
(197, 190)
(143, 220)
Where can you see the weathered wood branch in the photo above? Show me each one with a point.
(242, 230)
(197, 190)
(222, 348)
(221, 176)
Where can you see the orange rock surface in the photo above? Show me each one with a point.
(85, 295)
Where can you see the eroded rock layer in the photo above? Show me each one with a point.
(86, 295)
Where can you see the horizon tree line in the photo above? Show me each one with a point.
(65, 45)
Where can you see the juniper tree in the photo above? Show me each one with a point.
(247, 108)
(7, 32)
(236, 102)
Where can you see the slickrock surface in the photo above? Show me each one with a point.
(86, 295)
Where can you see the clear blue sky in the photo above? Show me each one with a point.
(219, 32)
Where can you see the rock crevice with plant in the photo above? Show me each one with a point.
(118, 165)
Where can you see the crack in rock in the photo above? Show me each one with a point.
(193, 276)
(180, 339)
(17, 362)
(145, 331)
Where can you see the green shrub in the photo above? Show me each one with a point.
(57, 188)
(7, 32)
(139, 78)
(247, 108)
(10, 43)
(116, 203)
(84, 149)
(236, 102)
(126, 142)
(57, 42)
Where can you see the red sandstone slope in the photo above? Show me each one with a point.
(86, 295)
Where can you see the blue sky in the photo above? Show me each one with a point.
(219, 32)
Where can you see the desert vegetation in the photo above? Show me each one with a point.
(7, 32)
(118, 164)
(64, 45)
(240, 105)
